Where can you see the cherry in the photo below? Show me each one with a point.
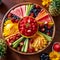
(56, 46)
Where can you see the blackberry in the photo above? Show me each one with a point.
(44, 56)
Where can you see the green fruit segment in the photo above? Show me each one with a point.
(16, 43)
(25, 46)
(46, 36)
(28, 8)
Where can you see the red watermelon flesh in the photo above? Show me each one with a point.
(45, 19)
(13, 12)
(24, 10)
(19, 11)
(41, 14)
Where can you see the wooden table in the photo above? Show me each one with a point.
(10, 55)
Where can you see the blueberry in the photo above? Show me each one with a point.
(44, 56)
(34, 7)
(51, 31)
(47, 31)
(32, 10)
(35, 15)
(35, 10)
(15, 17)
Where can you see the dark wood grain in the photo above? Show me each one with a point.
(10, 55)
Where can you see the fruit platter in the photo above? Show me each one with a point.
(28, 28)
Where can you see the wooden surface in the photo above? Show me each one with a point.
(10, 55)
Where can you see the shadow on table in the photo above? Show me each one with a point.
(3, 9)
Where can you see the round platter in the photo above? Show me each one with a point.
(41, 29)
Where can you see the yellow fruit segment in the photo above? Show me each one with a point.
(10, 28)
(39, 42)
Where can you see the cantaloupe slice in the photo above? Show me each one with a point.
(41, 14)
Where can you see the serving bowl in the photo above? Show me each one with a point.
(34, 17)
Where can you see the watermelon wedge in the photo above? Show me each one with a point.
(41, 14)
(19, 11)
(45, 19)
(23, 8)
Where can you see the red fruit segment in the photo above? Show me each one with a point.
(28, 26)
(43, 16)
(23, 10)
(56, 47)
(19, 11)
(12, 38)
(45, 19)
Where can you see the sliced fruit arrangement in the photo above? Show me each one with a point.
(28, 28)
(43, 16)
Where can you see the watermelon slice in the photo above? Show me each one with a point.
(19, 11)
(45, 19)
(24, 10)
(41, 14)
